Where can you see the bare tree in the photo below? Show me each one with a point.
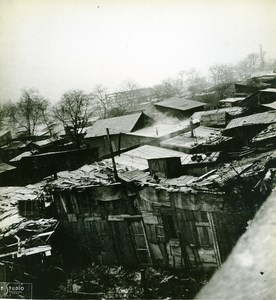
(74, 111)
(221, 74)
(28, 111)
(271, 64)
(168, 88)
(2, 114)
(248, 66)
(99, 93)
(128, 93)
(194, 82)
(223, 77)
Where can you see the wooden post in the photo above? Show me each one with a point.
(112, 155)
(192, 129)
(119, 143)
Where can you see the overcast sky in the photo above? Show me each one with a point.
(56, 45)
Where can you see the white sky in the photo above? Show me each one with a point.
(56, 45)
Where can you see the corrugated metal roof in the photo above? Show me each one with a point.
(122, 124)
(255, 119)
(179, 103)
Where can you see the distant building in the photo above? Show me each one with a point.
(130, 99)
(179, 107)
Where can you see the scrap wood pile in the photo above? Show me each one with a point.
(9, 198)
(27, 237)
(109, 282)
(98, 173)
(245, 171)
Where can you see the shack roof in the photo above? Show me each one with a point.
(138, 157)
(232, 111)
(255, 119)
(232, 100)
(116, 125)
(202, 135)
(211, 182)
(4, 132)
(16, 145)
(160, 129)
(5, 167)
(144, 178)
(180, 103)
(18, 157)
(43, 143)
(98, 173)
(270, 105)
(269, 90)
(268, 133)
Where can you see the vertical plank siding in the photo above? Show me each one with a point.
(151, 226)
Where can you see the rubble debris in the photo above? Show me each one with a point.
(117, 282)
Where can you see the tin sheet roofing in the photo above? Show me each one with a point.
(138, 157)
(122, 124)
(159, 129)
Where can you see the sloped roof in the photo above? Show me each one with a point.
(122, 124)
(18, 157)
(138, 157)
(270, 105)
(16, 145)
(203, 132)
(255, 119)
(4, 132)
(268, 133)
(160, 129)
(232, 100)
(179, 103)
(232, 111)
(5, 167)
(269, 90)
(43, 142)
